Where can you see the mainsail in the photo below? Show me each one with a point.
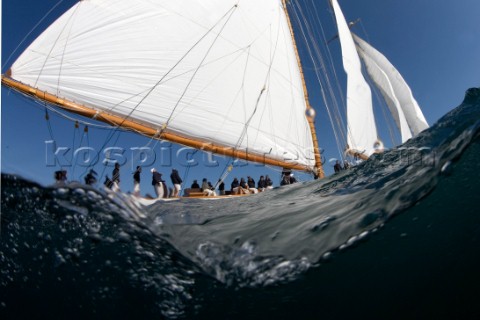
(396, 92)
(218, 75)
(362, 131)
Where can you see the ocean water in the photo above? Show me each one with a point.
(397, 237)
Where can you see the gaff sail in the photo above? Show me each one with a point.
(216, 75)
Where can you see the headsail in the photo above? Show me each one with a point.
(385, 86)
(362, 132)
(220, 73)
(403, 106)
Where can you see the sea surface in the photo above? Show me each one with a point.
(397, 237)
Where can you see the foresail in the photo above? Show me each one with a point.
(394, 89)
(219, 71)
(362, 132)
(384, 83)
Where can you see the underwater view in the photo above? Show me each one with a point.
(396, 237)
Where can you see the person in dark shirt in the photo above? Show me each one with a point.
(158, 184)
(250, 182)
(262, 184)
(269, 182)
(243, 188)
(337, 167)
(221, 187)
(243, 183)
(235, 186)
(195, 185)
(207, 188)
(116, 177)
(177, 183)
(285, 179)
(251, 185)
(136, 181)
(60, 177)
(90, 178)
(292, 179)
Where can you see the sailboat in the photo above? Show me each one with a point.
(221, 76)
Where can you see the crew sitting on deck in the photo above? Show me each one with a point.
(207, 188)
(251, 185)
(285, 179)
(243, 188)
(269, 182)
(262, 184)
(195, 185)
(292, 179)
(235, 186)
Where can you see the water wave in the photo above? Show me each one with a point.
(84, 250)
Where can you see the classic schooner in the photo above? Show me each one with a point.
(222, 76)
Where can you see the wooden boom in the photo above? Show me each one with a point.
(145, 129)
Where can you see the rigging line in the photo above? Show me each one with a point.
(241, 90)
(85, 134)
(165, 75)
(49, 126)
(63, 55)
(334, 71)
(200, 65)
(267, 77)
(185, 175)
(330, 59)
(336, 111)
(348, 127)
(240, 51)
(299, 21)
(231, 10)
(30, 32)
(332, 15)
(55, 43)
(75, 129)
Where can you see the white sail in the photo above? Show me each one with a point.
(393, 87)
(384, 83)
(362, 132)
(221, 71)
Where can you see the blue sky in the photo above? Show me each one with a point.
(435, 45)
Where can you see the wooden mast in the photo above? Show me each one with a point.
(144, 129)
(318, 161)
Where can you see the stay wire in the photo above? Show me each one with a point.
(29, 33)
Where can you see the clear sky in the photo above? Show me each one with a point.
(435, 44)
